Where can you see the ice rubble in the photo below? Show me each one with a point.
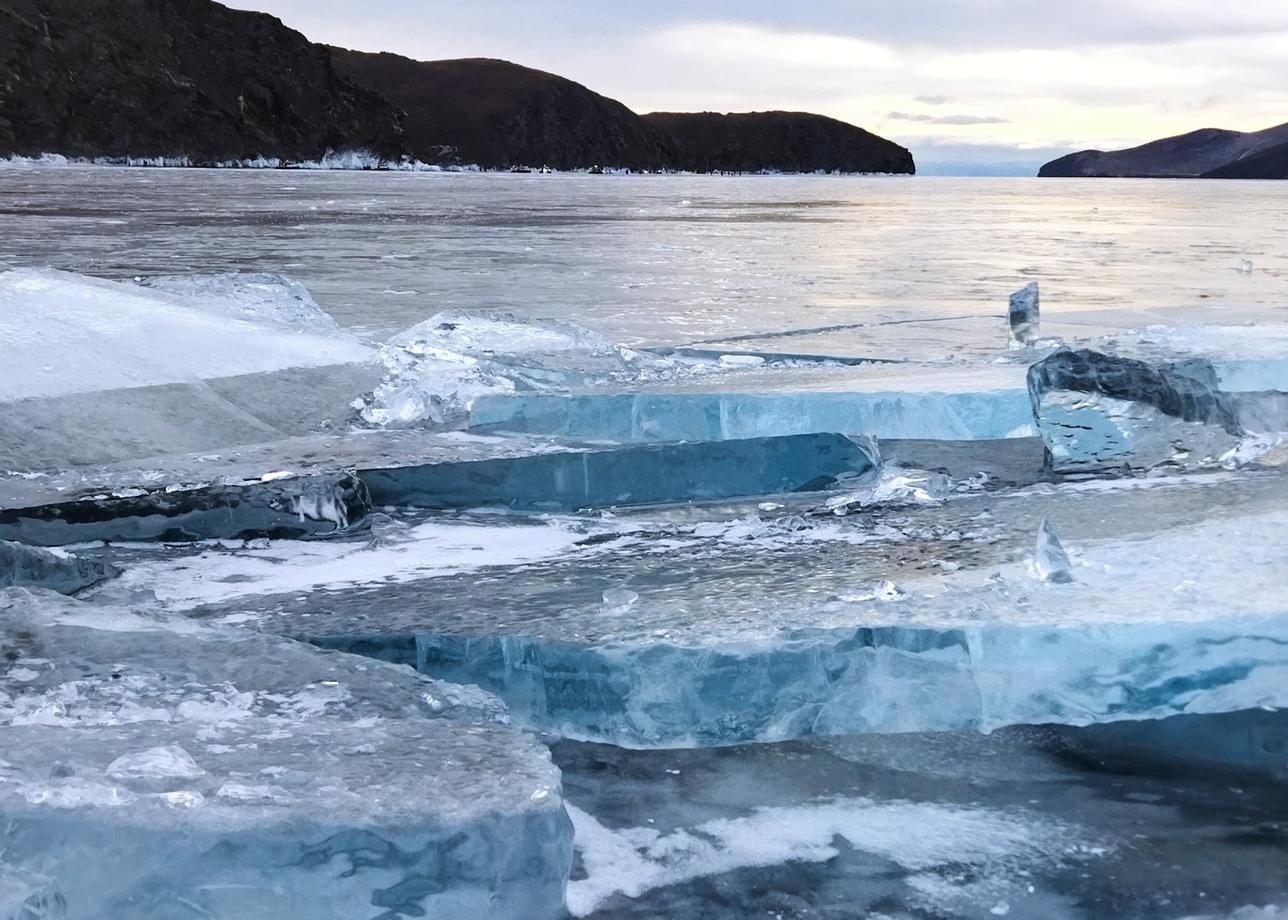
(241, 776)
(258, 297)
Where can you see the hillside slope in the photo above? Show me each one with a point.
(1198, 153)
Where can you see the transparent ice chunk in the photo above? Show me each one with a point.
(30, 566)
(1023, 314)
(1050, 561)
(154, 768)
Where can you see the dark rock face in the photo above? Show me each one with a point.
(1209, 152)
(496, 114)
(788, 141)
(175, 78)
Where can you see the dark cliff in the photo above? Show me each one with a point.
(1209, 152)
(496, 114)
(191, 78)
(789, 141)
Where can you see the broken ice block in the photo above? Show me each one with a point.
(631, 475)
(1100, 411)
(30, 566)
(159, 768)
(97, 371)
(1023, 314)
(284, 507)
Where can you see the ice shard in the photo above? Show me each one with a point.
(30, 566)
(636, 474)
(1023, 314)
(287, 506)
(1050, 561)
(1099, 411)
(158, 768)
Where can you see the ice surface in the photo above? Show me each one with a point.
(632, 475)
(887, 401)
(157, 769)
(939, 825)
(774, 627)
(30, 566)
(1023, 314)
(276, 505)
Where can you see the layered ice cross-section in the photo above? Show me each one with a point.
(650, 630)
(162, 769)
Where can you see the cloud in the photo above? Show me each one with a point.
(930, 100)
(948, 119)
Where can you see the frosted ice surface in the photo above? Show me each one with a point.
(67, 333)
(771, 628)
(30, 566)
(1023, 314)
(238, 776)
(260, 297)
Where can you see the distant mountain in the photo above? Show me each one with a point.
(496, 114)
(1208, 153)
(789, 141)
(175, 78)
(193, 79)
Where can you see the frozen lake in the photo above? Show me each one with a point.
(662, 259)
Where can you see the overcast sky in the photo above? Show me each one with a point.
(973, 85)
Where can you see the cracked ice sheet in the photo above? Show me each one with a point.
(423, 551)
(915, 836)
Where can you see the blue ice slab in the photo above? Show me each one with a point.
(649, 633)
(157, 769)
(633, 475)
(886, 401)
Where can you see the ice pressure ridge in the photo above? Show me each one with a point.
(664, 547)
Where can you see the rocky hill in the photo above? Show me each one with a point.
(496, 114)
(1209, 152)
(193, 79)
(788, 141)
(175, 78)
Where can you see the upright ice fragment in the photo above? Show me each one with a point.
(1050, 561)
(1024, 314)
